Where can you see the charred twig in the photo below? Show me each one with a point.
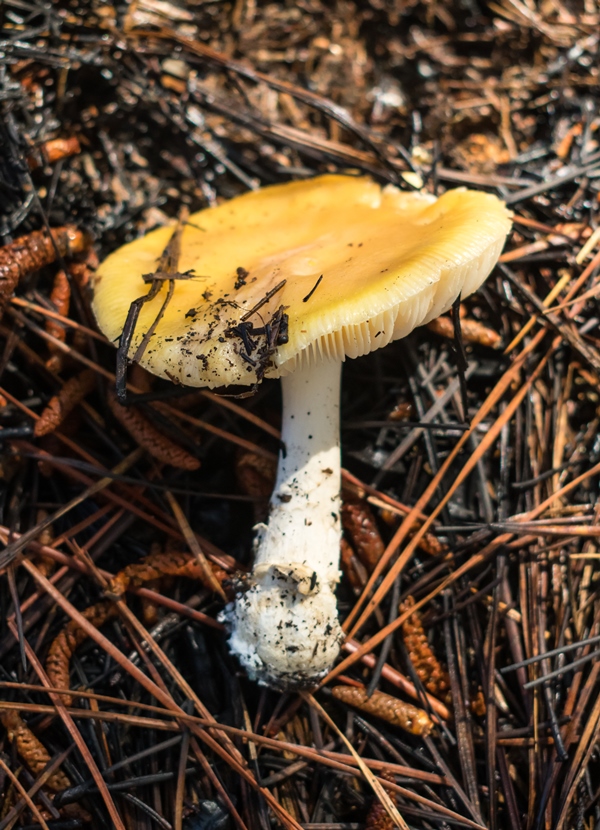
(166, 271)
(263, 301)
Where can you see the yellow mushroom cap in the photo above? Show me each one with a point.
(385, 261)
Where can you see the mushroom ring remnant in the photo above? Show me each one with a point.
(287, 282)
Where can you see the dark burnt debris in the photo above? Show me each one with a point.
(242, 276)
(166, 270)
(112, 118)
(258, 344)
(166, 275)
(312, 290)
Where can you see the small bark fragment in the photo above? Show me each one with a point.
(388, 708)
(353, 569)
(429, 542)
(403, 411)
(34, 251)
(59, 406)
(472, 331)
(427, 666)
(149, 437)
(31, 750)
(478, 705)
(563, 148)
(52, 151)
(359, 523)
(63, 646)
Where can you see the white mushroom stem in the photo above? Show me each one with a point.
(285, 629)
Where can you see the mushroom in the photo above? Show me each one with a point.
(286, 282)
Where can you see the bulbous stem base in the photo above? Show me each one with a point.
(285, 629)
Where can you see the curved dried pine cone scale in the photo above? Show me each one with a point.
(149, 437)
(427, 666)
(388, 708)
(31, 750)
(34, 251)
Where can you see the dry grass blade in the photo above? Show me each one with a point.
(378, 789)
(190, 538)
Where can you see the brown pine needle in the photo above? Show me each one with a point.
(494, 532)
(209, 576)
(71, 726)
(225, 749)
(15, 547)
(501, 387)
(379, 791)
